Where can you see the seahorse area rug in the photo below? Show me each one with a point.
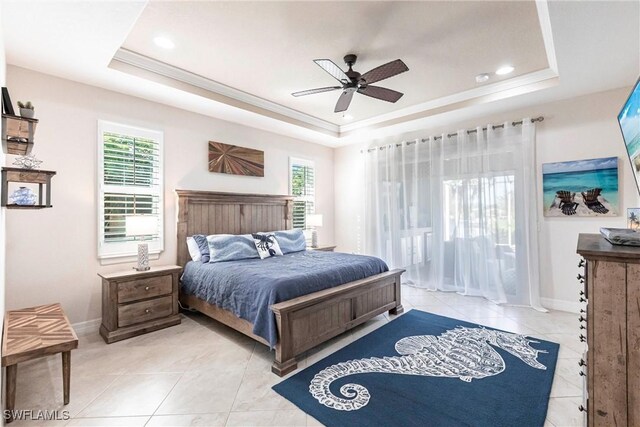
(427, 370)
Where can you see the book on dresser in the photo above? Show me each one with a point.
(136, 302)
(610, 327)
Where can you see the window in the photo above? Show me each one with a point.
(130, 183)
(302, 186)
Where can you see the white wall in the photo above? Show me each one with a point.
(578, 128)
(52, 253)
(3, 69)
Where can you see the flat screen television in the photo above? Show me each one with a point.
(629, 120)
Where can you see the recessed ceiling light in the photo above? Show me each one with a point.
(505, 70)
(347, 117)
(481, 78)
(164, 42)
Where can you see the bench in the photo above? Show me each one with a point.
(35, 332)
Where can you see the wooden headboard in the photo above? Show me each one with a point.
(206, 212)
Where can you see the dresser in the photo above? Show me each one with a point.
(137, 302)
(610, 326)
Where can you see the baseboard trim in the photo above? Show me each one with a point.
(561, 305)
(88, 327)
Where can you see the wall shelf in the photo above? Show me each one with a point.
(14, 206)
(17, 134)
(27, 176)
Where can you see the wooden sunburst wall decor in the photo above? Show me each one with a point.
(231, 159)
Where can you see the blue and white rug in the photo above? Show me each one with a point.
(427, 370)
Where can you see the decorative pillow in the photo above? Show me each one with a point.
(198, 247)
(291, 240)
(230, 247)
(266, 244)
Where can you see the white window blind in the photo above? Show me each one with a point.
(302, 183)
(130, 183)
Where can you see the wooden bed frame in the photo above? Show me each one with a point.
(303, 322)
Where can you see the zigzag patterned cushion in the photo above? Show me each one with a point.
(229, 247)
(291, 240)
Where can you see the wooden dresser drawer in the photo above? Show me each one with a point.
(143, 311)
(134, 290)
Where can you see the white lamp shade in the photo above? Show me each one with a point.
(141, 225)
(314, 220)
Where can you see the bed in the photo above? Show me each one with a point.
(303, 320)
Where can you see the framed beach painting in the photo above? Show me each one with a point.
(581, 188)
(633, 219)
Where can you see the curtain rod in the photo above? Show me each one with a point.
(450, 135)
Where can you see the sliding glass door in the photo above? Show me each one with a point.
(459, 214)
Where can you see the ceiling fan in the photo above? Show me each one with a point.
(352, 81)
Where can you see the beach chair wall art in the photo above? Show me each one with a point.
(581, 188)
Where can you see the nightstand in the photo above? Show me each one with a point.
(137, 302)
(325, 248)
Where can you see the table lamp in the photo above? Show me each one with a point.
(314, 221)
(141, 225)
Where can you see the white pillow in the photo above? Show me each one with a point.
(266, 244)
(194, 250)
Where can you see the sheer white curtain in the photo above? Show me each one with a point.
(459, 213)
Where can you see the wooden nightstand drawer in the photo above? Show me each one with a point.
(138, 312)
(134, 290)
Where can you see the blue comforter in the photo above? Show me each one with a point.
(249, 287)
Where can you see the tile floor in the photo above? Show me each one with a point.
(202, 373)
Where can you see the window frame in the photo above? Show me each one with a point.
(304, 163)
(114, 250)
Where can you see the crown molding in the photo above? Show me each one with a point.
(246, 100)
(505, 89)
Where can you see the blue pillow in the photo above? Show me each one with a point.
(198, 247)
(230, 247)
(291, 241)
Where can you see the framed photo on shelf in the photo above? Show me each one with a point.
(633, 219)
(7, 106)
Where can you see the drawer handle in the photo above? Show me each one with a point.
(146, 288)
(147, 311)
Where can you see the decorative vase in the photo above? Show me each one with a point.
(23, 197)
(27, 113)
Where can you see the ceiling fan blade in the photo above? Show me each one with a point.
(381, 93)
(318, 90)
(344, 101)
(330, 67)
(385, 71)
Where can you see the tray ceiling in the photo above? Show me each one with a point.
(266, 49)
